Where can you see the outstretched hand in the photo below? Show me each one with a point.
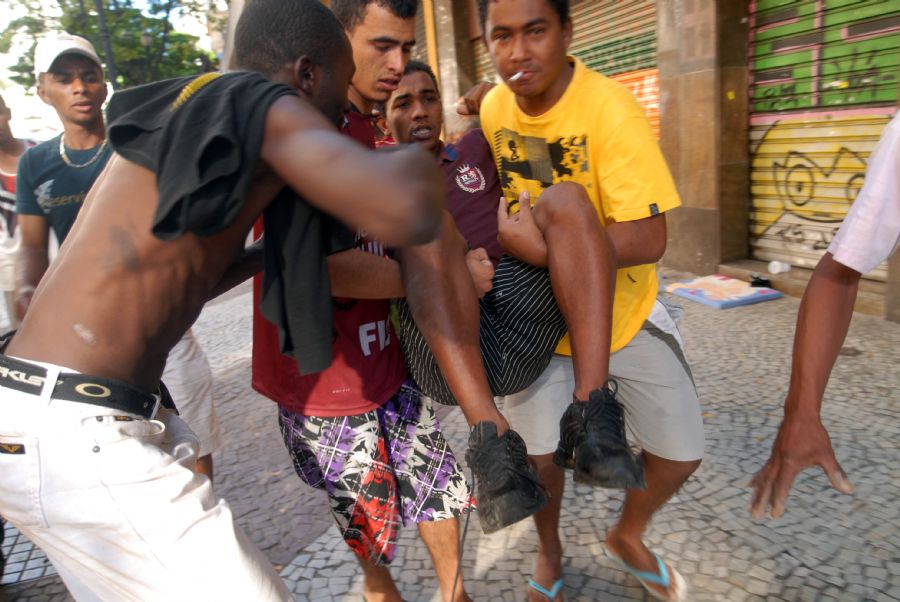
(481, 269)
(519, 233)
(802, 442)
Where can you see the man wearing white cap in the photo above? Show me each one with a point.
(53, 180)
(54, 177)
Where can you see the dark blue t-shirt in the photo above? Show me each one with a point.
(46, 186)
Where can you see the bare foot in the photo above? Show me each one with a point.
(547, 569)
(634, 553)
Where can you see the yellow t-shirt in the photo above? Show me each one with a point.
(598, 136)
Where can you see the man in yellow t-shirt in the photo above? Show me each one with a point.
(556, 121)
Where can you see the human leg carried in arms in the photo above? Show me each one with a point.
(444, 304)
(580, 260)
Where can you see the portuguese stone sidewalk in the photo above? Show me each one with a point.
(827, 547)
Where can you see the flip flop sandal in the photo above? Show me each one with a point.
(669, 579)
(550, 593)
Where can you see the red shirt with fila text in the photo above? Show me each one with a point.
(367, 365)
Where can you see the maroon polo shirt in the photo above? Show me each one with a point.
(473, 191)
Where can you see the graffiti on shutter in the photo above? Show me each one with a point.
(806, 171)
(824, 82)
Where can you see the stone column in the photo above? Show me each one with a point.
(703, 129)
(454, 54)
(892, 290)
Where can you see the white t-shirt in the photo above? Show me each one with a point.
(871, 231)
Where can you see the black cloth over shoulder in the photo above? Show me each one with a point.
(296, 292)
(202, 137)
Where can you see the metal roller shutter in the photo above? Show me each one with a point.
(420, 50)
(618, 39)
(484, 67)
(823, 85)
(615, 37)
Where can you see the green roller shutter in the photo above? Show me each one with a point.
(824, 81)
(615, 37)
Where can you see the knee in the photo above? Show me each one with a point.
(689, 467)
(672, 471)
(566, 200)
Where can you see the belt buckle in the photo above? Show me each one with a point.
(157, 402)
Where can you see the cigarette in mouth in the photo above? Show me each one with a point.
(516, 76)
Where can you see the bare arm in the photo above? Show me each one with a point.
(802, 441)
(396, 197)
(638, 242)
(828, 300)
(249, 263)
(361, 275)
(32, 259)
(469, 104)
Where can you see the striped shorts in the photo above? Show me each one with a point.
(520, 327)
(388, 466)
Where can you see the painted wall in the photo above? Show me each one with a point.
(824, 82)
(806, 171)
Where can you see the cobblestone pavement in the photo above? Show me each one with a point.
(827, 547)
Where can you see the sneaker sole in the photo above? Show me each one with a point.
(501, 511)
(622, 471)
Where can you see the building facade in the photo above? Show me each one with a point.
(766, 110)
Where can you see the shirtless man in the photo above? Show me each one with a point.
(91, 470)
(54, 179)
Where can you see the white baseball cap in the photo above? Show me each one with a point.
(51, 48)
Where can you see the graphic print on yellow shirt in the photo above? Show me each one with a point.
(597, 136)
(526, 160)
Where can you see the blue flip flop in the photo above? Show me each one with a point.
(550, 593)
(673, 583)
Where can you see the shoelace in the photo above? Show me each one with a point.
(517, 453)
(504, 465)
(606, 418)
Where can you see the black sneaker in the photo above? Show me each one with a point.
(506, 486)
(592, 441)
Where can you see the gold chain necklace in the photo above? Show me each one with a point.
(67, 161)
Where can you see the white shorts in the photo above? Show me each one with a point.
(189, 379)
(114, 502)
(655, 385)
